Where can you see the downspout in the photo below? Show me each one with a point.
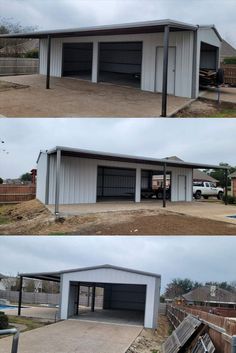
(164, 185)
(57, 188)
(194, 68)
(48, 62)
(20, 296)
(226, 187)
(165, 71)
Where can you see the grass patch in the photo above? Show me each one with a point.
(57, 233)
(208, 108)
(29, 322)
(4, 219)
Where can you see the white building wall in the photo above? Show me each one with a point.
(106, 275)
(183, 41)
(41, 177)
(78, 179)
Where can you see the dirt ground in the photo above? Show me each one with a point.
(73, 98)
(150, 341)
(32, 217)
(208, 108)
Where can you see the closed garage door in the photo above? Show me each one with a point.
(115, 183)
(120, 63)
(77, 60)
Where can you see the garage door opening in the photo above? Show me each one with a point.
(208, 64)
(152, 183)
(111, 303)
(115, 184)
(77, 60)
(121, 63)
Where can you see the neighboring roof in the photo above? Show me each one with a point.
(203, 294)
(233, 175)
(124, 28)
(200, 175)
(55, 276)
(227, 50)
(76, 152)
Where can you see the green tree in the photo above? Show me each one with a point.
(1, 181)
(26, 177)
(223, 285)
(179, 287)
(219, 174)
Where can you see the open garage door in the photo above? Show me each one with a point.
(208, 64)
(115, 183)
(152, 183)
(113, 303)
(120, 63)
(77, 60)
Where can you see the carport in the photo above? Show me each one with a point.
(70, 176)
(129, 296)
(157, 56)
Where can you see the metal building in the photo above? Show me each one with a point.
(159, 56)
(124, 291)
(74, 176)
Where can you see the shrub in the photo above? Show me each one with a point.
(3, 321)
(231, 60)
(33, 54)
(230, 199)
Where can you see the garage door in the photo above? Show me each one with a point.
(77, 59)
(120, 62)
(115, 183)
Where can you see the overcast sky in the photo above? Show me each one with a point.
(52, 14)
(198, 258)
(193, 140)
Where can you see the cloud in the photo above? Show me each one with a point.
(48, 14)
(194, 140)
(198, 258)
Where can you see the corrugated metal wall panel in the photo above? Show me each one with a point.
(105, 275)
(41, 177)
(78, 181)
(184, 58)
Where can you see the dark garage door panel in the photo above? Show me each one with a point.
(77, 57)
(121, 57)
(122, 296)
(116, 182)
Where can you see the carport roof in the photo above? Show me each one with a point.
(55, 276)
(124, 28)
(76, 152)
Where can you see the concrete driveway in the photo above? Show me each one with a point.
(72, 97)
(228, 94)
(210, 209)
(73, 336)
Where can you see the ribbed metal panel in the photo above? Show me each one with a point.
(78, 181)
(183, 41)
(41, 177)
(181, 335)
(204, 345)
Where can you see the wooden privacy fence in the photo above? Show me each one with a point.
(16, 193)
(230, 73)
(221, 330)
(18, 66)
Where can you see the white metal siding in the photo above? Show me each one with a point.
(183, 41)
(78, 179)
(41, 177)
(106, 275)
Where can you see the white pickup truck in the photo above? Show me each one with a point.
(207, 189)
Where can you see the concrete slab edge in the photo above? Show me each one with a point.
(185, 105)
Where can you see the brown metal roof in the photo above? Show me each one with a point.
(200, 175)
(115, 29)
(76, 152)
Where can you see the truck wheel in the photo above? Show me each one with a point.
(220, 195)
(159, 195)
(205, 197)
(198, 195)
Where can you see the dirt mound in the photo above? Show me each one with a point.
(25, 210)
